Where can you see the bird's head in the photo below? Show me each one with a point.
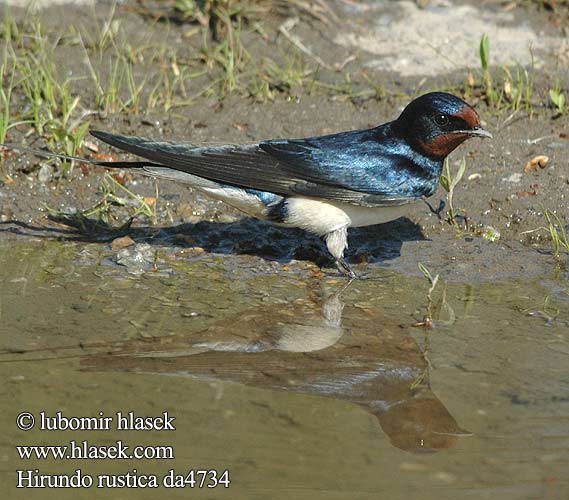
(437, 123)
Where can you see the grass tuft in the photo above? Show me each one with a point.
(432, 281)
(449, 182)
(557, 232)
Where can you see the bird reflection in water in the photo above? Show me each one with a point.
(318, 347)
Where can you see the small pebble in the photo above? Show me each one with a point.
(122, 242)
(517, 177)
(45, 173)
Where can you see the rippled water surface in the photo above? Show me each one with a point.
(296, 386)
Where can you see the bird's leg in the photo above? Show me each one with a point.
(337, 242)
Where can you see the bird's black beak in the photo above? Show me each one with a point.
(479, 132)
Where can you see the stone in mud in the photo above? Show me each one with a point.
(136, 258)
(122, 242)
(45, 173)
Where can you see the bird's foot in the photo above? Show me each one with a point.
(344, 268)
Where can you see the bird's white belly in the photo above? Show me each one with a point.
(322, 217)
(368, 216)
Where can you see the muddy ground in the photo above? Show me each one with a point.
(496, 195)
(275, 370)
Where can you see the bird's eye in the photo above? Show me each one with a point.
(441, 119)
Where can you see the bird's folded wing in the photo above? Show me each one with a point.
(284, 167)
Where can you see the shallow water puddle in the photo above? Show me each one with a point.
(295, 386)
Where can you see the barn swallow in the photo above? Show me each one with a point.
(321, 184)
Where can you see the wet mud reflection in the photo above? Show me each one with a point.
(319, 347)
